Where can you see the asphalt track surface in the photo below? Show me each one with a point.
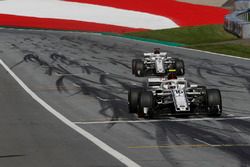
(87, 79)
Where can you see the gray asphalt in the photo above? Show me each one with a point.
(30, 136)
(87, 81)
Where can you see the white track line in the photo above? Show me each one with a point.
(203, 142)
(122, 158)
(161, 120)
(100, 34)
(213, 53)
(112, 122)
(183, 48)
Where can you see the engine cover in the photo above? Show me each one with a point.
(180, 100)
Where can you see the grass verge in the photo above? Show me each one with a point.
(229, 49)
(209, 38)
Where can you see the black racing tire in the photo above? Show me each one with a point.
(180, 67)
(146, 99)
(133, 99)
(139, 68)
(134, 64)
(214, 102)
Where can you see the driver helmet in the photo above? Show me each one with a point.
(157, 51)
(172, 74)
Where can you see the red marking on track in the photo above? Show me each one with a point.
(60, 24)
(184, 14)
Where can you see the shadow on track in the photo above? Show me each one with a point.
(106, 94)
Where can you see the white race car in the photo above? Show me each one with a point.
(157, 64)
(174, 96)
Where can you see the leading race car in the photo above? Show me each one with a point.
(174, 96)
(157, 64)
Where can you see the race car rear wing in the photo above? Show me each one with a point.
(153, 54)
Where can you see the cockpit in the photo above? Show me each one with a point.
(174, 84)
(169, 85)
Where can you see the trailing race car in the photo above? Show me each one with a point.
(157, 64)
(174, 96)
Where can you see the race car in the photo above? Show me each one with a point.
(157, 64)
(174, 96)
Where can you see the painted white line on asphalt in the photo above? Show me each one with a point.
(183, 48)
(100, 34)
(122, 158)
(181, 146)
(213, 53)
(161, 120)
(203, 142)
(112, 122)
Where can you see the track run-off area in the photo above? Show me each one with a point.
(64, 103)
(107, 16)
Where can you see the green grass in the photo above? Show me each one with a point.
(209, 38)
(188, 35)
(230, 49)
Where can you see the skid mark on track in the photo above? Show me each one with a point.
(11, 156)
(115, 154)
(229, 143)
(106, 88)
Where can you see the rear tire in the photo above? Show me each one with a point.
(214, 102)
(133, 99)
(139, 68)
(180, 67)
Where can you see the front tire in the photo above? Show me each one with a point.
(214, 102)
(133, 99)
(139, 68)
(180, 67)
(134, 65)
(147, 101)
